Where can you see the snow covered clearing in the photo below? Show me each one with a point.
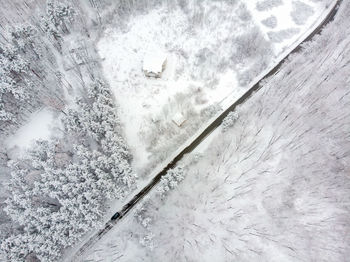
(38, 127)
(212, 55)
(274, 186)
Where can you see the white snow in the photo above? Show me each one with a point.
(37, 127)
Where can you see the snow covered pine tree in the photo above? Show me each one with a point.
(55, 199)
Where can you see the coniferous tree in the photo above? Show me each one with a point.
(65, 199)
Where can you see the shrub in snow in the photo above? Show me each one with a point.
(265, 5)
(229, 121)
(15, 82)
(57, 20)
(301, 12)
(195, 157)
(252, 46)
(142, 217)
(147, 241)
(22, 38)
(243, 13)
(210, 111)
(270, 22)
(281, 35)
(146, 222)
(169, 181)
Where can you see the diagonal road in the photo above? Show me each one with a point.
(207, 131)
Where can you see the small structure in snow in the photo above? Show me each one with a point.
(154, 63)
(179, 119)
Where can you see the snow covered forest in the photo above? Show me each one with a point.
(57, 189)
(83, 128)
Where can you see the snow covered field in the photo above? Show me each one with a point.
(212, 54)
(273, 187)
(38, 127)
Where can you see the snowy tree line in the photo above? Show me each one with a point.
(229, 121)
(30, 78)
(22, 75)
(28, 66)
(59, 191)
(32, 55)
(170, 181)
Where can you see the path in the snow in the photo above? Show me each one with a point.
(207, 131)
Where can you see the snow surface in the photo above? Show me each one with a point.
(273, 188)
(38, 127)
